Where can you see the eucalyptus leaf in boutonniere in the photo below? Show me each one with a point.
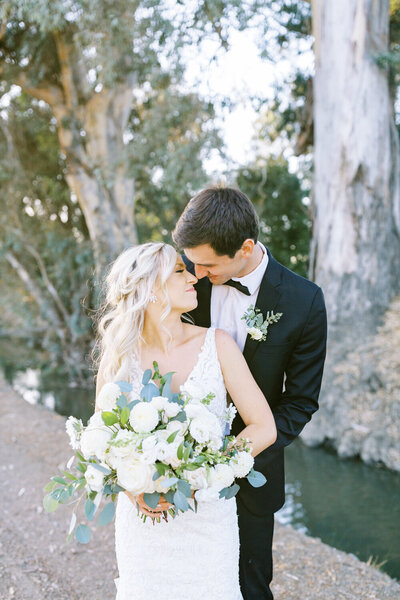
(257, 326)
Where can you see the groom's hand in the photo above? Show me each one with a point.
(162, 506)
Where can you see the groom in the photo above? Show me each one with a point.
(218, 233)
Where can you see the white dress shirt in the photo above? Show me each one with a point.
(228, 304)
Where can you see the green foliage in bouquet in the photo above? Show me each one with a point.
(162, 445)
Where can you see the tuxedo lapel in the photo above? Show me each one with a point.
(267, 299)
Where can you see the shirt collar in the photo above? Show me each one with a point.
(253, 280)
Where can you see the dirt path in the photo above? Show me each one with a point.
(36, 564)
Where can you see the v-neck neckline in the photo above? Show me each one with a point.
(202, 348)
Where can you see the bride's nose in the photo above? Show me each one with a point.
(191, 278)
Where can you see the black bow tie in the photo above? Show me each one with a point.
(238, 286)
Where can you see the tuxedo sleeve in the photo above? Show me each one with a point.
(304, 371)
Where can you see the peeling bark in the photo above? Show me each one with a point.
(356, 240)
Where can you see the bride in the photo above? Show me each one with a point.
(194, 555)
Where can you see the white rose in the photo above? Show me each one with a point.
(200, 430)
(95, 438)
(94, 478)
(210, 494)
(108, 396)
(123, 445)
(167, 453)
(255, 333)
(136, 477)
(149, 449)
(172, 409)
(221, 476)
(242, 463)
(159, 402)
(197, 479)
(181, 428)
(143, 417)
(195, 409)
(74, 428)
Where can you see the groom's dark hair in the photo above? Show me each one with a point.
(222, 217)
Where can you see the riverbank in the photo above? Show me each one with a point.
(36, 564)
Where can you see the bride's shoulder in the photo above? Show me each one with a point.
(224, 341)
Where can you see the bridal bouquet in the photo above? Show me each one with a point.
(159, 445)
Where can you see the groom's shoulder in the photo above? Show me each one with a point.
(293, 283)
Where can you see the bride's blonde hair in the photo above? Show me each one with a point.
(128, 288)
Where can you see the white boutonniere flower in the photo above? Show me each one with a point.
(257, 326)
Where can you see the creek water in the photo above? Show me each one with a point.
(345, 503)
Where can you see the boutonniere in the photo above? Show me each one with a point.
(257, 326)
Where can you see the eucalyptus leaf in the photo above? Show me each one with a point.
(180, 501)
(124, 386)
(152, 499)
(122, 402)
(50, 486)
(184, 487)
(167, 392)
(170, 481)
(146, 376)
(90, 509)
(72, 524)
(105, 470)
(149, 392)
(59, 480)
(107, 514)
(256, 479)
(82, 534)
(229, 492)
(49, 503)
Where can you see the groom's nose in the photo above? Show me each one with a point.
(200, 271)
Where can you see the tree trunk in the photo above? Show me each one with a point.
(356, 244)
(355, 254)
(90, 130)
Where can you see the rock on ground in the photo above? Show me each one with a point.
(36, 563)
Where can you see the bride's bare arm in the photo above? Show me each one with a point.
(246, 395)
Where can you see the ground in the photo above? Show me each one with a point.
(37, 564)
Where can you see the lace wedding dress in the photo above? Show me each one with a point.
(196, 555)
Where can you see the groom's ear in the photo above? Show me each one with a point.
(247, 248)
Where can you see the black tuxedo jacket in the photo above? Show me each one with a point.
(287, 366)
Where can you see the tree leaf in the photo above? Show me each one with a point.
(107, 514)
(50, 486)
(149, 392)
(83, 534)
(169, 482)
(122, 402)
(179, 452)
(105, 470)
(59, 480)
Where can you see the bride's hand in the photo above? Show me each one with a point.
(162, 506)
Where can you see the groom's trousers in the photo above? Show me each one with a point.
(255, 567)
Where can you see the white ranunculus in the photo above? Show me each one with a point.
(242, 463)
(197, 479)
(221, 476)
(254, 333)
(94, 478)
(210, 494)
(143, 417)
(95, 438)
(74, 428)
(108, 396)
(136, 477)
(159, 402)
